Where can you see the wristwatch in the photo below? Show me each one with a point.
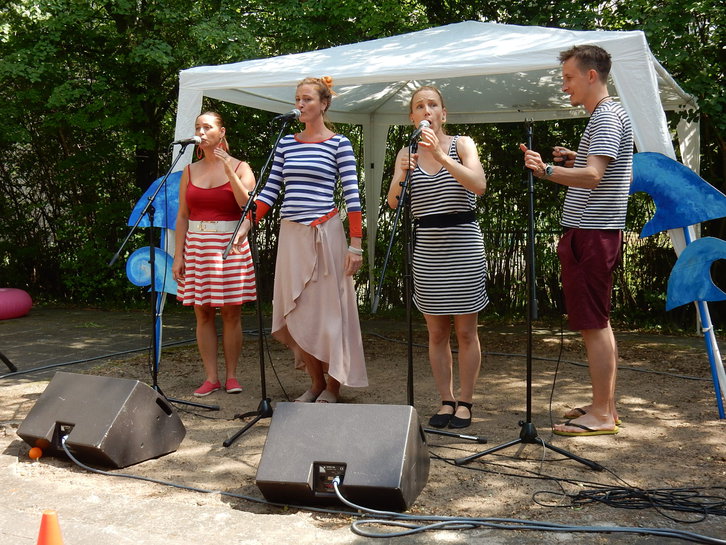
(548, 171)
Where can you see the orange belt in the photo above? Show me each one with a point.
(326, 217)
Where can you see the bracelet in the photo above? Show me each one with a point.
(356, 251)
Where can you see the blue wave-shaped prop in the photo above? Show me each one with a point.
(681, 196)
(166, 203)
(690, 279)
(138, 269)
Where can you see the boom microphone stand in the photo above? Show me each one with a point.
(155, 301)
(528, 434)
(264, 409)
(404, 209)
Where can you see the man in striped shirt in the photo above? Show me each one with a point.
(597, 178)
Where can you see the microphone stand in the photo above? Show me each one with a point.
(155, 301)
(528, 434)
(404, 209)
(264, 409)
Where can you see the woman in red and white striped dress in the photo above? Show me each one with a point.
(212, 193)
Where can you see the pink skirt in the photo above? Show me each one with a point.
(314, 302)
(211, 280)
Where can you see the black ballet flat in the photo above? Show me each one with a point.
(456, 423)
(442, 420)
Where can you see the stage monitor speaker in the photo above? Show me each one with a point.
(379, 451)
(108, 421)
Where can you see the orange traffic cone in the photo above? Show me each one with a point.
(50, 533)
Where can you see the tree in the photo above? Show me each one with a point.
(88, 90)
(687, 37)
(88, 94)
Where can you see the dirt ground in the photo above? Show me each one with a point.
(670, 437)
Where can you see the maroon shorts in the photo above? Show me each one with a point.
(588, 258)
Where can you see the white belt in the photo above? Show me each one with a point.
(212, 226)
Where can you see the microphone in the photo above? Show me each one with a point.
(289, 116)
(421, 126)
(190, 140)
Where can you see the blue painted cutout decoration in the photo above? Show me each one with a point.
(138, 269)
(681, 196)
(166, 203)
(690, 280)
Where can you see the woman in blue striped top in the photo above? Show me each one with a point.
(314, 304)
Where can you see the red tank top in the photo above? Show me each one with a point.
(213, 204)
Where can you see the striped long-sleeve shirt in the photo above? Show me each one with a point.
(308, 171)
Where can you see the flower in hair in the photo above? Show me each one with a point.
(328, 82)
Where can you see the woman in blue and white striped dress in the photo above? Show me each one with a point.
(449, 266)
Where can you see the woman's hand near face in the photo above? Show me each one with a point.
(430, 141)
(223, 156)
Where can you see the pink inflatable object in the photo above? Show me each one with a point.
(14, 303)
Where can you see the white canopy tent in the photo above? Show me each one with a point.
(488, 73)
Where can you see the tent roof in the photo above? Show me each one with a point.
(487, 72)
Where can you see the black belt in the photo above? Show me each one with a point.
(445, 220)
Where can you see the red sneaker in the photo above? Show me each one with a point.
(232, 386)
(207, 388)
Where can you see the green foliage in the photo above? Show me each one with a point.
(292, 26)
(88, 98)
